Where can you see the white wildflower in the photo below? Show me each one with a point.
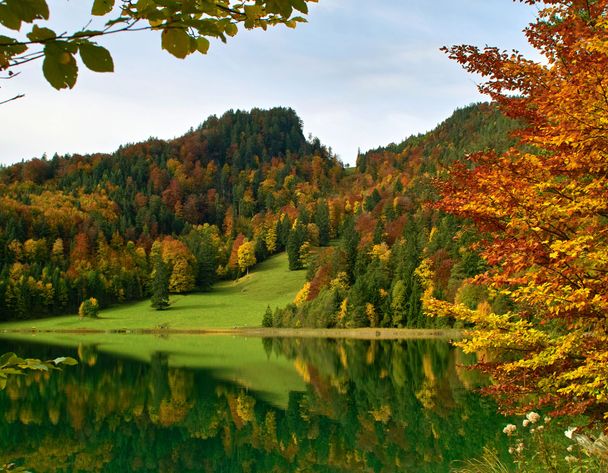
(526, 423)
(570, 448)
(540, 427)
(547, 419)
(533, 417)
(570, 459)
(568, 433)
(509, 429)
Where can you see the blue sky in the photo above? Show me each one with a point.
(360, 74)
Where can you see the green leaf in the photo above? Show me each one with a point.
(9, 19)
(65, 360)
(177, 42)
(41, 34)
(96, 58)
(36, 365)
(8, 358)
(202, 45)
(7, 371)
(253, 11)
(102, 7)
(144, 5)
(59, 66)
(29, 10)
(282, 7)
(231, 29)
(300, 5)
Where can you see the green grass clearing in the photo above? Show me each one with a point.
(230, 304)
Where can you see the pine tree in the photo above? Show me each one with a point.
(283, 230)
(322, 221)
(267, 320)
(398, 303)
(159, 284)
(379, 232)
(297, 237)
(206, 264)
(350, 242)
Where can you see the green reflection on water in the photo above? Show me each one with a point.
(227, 404)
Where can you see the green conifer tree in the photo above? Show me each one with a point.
(159, 284)
(267, 320)
(322, 221)
(349, 244)
(297, 237)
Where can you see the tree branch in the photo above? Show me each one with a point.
(16, 97)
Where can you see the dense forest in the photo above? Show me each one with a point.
(75, 227)
(391, 234)
(227, 195)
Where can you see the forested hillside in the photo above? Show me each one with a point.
(74, 227)
(392, 237)
(237, 189)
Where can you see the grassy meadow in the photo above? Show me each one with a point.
(230, 304)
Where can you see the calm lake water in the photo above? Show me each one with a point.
(229, 404)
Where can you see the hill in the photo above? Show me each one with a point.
(393, 240)
(76, 227)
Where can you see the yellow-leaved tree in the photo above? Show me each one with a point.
(246, 256)
(541, 209)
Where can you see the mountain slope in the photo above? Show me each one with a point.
(393, 238)
(75, 227)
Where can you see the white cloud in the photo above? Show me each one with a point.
(360, 74)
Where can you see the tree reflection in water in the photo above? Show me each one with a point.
(380, 406)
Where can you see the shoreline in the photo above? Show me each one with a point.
(260, 332)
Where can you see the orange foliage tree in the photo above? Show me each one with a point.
(542, 211)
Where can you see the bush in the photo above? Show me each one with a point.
(89, 308)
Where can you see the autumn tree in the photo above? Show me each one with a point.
(181, 263)
(542, 208)
(233, 260)
(185, 28)
(270, 239)
(89, 308)
(246, 256)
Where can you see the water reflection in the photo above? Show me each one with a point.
(380, 406)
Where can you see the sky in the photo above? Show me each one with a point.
(360, 74)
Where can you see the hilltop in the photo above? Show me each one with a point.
(85, 226)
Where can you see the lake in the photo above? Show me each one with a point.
(234, 404)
